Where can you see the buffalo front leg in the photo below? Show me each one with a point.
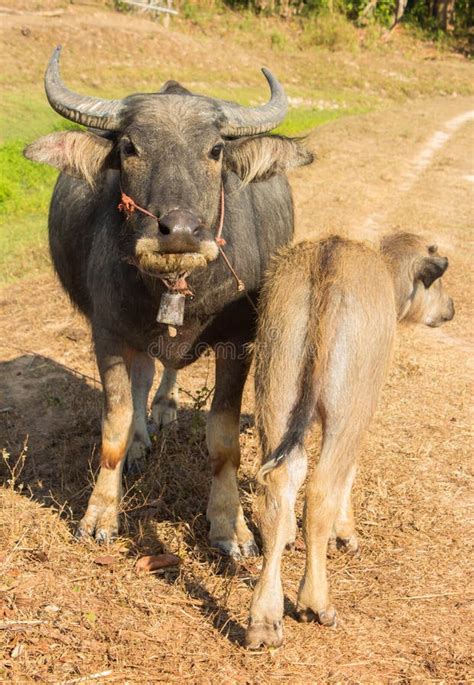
(164, 408)
(228, 531)
(101, 519)
(142, 372)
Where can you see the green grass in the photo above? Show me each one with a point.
(302, 120)
(26, 118)
(26, 187)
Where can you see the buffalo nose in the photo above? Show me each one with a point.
(179, 221)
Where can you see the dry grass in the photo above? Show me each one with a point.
(402, 606)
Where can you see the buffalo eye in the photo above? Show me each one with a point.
(127, 148)
(215, 152)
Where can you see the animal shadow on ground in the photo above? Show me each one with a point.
(50, 428)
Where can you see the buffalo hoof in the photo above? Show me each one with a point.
(102, 536)
(101, 526)
(349, 545)
(164, 412)
(264, 634)
(135, 457)
(326, 617)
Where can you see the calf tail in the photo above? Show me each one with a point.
(321, 324)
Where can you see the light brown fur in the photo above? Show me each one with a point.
(326, 328)
(78, 153)
(150, 260)
(258, 158)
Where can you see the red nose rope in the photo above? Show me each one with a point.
(128, 205)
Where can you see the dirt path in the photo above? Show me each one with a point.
(403, 607)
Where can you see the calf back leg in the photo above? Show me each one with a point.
(228, 531)
(164, 408)
(282, 370)
(277, 526)
(102, 515)
(344, 536)
(327, 505)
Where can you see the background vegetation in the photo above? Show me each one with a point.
(433, 15)
(335, 57)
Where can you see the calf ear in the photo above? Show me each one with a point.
(77, 153)
(259, 157)
(431, 268)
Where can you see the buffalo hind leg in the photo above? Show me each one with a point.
(101, 519)
(142, 372)
(277, 526)
(164, 408)
(228, 531)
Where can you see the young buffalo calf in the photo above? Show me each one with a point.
(327, 321)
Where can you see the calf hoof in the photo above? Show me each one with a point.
(264, 634)
(326, 617)
(164, 412)
(231, 548)
(349, 545)
(227, 548)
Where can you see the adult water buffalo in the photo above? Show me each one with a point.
(194, 169)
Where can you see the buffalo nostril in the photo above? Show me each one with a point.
(179, 221)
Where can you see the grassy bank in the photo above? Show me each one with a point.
(25, 189)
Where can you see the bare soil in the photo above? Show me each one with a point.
(404, 606)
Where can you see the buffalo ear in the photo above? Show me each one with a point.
(257, 158)
(173, 88)
(77, 153)
(431, 268)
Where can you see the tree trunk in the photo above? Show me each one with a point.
(443, 12)
(369, 9)
(400, 10)
(448, 15)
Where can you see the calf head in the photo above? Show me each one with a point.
(172, 150)
(417, 271)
